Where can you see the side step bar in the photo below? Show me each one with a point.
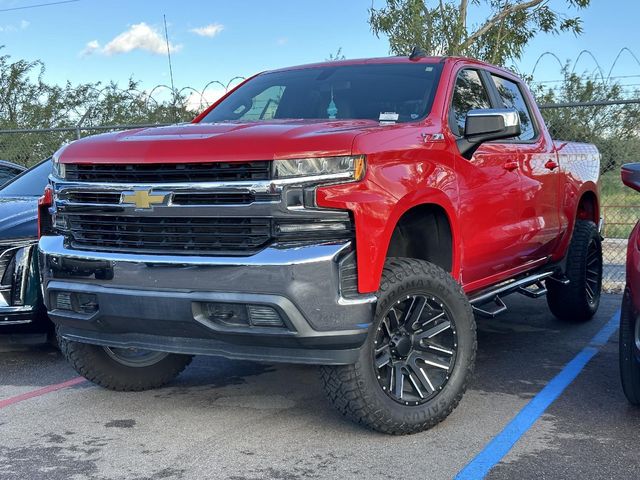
(489, 303)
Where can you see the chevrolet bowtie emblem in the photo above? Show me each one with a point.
(143, 199)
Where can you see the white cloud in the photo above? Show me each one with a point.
(139, 37)
(210, 30)
(90, 48)
(23, 25)
(282, 41)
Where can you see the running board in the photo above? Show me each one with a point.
(489, 303)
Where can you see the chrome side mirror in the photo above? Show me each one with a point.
(485, 125)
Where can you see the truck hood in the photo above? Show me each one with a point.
(18, 217)
(228, 141)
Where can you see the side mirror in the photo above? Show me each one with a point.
(485, 125)
(631, 175)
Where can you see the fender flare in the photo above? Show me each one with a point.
(428, 196)
(571, 210)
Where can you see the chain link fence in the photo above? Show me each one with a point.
(29, 146)
(613, 126)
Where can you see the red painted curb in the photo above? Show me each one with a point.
(41, 391)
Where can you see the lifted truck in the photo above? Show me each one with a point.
(348, 214)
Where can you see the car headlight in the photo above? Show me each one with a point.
(58, 168)
(350, 168)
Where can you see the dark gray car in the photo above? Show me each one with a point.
(20, 298)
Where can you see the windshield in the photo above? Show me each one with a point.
(30, 184)
(380, 92)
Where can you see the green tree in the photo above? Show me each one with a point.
(28, 102)
(614, 129)
(443, 28)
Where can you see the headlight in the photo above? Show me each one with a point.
(58, 168)
(338, 168)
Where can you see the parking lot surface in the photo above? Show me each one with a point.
(245, 421)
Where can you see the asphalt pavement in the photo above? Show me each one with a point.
(244, 421)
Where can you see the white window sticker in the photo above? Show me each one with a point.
(389, 117)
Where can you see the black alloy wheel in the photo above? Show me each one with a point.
(415, 349)
(593, 274)
(418, 357)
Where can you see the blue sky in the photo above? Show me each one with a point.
(215, 40)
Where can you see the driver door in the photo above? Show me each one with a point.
(489, 190)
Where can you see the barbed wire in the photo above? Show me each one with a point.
(203, 98)
(597, 72)
(187, 98)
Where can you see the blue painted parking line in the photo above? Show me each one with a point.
(506, 439)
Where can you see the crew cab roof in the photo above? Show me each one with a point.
(392, 60)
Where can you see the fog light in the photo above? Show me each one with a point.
(228, 313)
(75, 302)
(63, 301)
(264, 316)
(235, 314)
(85, 302)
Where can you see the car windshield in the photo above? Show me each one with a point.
(29, 184)
(380, 92)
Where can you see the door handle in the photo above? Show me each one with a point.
(510, 166)
(551, 164)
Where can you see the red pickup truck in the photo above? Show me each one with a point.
(350, 214)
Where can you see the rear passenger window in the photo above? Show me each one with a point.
(512, 98)
(469, 94)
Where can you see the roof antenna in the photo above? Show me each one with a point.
(416, 54)
(173, 87)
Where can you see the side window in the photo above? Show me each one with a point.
(7, 174)
(468, 94)
(263, 106)
(512, 97)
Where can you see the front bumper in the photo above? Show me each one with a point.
(157, 302)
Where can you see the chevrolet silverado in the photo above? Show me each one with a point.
(352, 214)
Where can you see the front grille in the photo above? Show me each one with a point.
(189, 198)
(170, 235)
(91, 197)
(169, 172)
(216, 198)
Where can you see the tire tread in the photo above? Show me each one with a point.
(82, 358)
(629, 364)
(344, 385)
(568, 302)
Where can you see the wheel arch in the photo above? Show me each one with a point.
(588, 207)
(581, 204)
(432, 216)
(423, 232)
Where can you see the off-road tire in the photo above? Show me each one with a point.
(571, 302)
(354, 389)
(93, 363)
(629, 353)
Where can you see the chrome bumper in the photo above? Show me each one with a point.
(155, 301)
